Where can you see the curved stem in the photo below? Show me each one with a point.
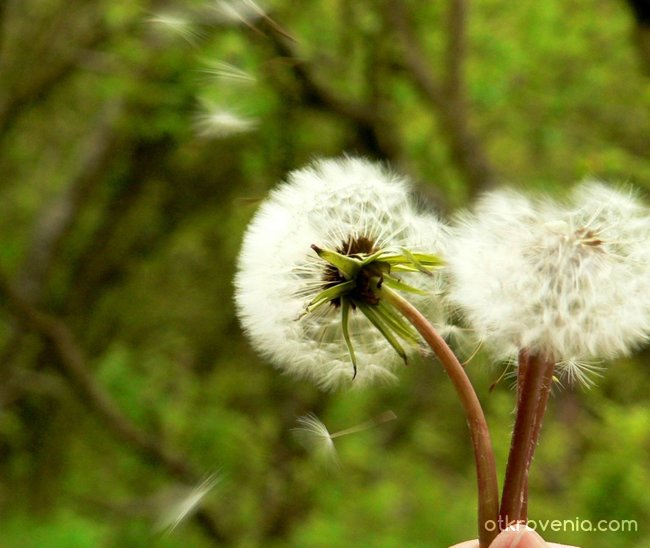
(534, 386)
(488, 489)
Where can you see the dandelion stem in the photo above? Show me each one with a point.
(535, 379)
(384, 417)
(522, 369)
(488, 489)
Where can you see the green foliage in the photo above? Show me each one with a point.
(142, 270)
(64, 529)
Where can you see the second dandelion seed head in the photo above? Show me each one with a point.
(566, 280)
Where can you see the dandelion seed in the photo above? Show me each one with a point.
(386, 416)
(315, 437)
(310, 257)
(575, 371)
(235, 12)
(177, 24)
(506, 373)
(216, 121)
(184, 504)
(567, 281)
(226, 72)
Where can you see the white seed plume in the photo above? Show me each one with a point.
(184, 503)
(225, 72)
(575, 371)
(327, 204)
(570, 281)
(219, 122)
(315, 437)
(235, 12)
(178, 24)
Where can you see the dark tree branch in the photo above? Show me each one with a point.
(23, 381)
(72, 363)
(456, 49)
(370, 123)
(641, 11)
(101, 262)
(54, 224)
(447, 98)
(316, 93)
(46, 72)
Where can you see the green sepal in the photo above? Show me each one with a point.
(419, 261)
(331, 293)
(348, 266)
(396, 322)
(345, 318)
(395, 283)
(378, 320)
(419, 264)
(370, 258)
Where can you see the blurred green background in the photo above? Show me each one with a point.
(124, 193)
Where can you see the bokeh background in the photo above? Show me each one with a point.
(131, 159)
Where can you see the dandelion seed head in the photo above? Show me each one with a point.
(570, 281)
(331, 203)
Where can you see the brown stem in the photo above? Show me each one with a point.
(488, 489)
(534, 386)
(446, 97)
(456, 48)
(315, 92)
(537, 426)
(522, 369)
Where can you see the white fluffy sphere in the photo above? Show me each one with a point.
(329, 204)
(570, 281)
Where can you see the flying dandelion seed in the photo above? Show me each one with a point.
(216, 121)
(184, 504)
(315, 437)
(235, 12)
(227, 73)
(177, 24)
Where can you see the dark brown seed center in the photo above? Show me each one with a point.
(363, 292)
(588, 237)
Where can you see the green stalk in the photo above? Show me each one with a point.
(488, 489)
(345, 319)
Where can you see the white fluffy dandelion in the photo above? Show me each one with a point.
(567, 281)
(356, 209)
